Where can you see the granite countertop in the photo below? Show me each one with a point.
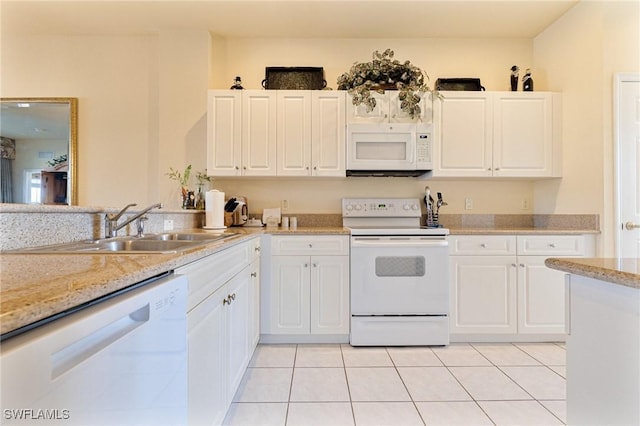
(36, 286)
(519, 231)
(621, 271)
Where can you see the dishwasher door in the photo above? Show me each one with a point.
(119, 362)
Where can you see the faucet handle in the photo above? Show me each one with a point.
(140, 225)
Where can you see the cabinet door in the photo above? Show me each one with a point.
(483, 294)
(328, 133)
(208, 352)
(254, 309)
(397, 115)
(541, 304)
(238, 307)
(258, 133)
(293, 132)
(289, 302)
(330, 295)
(224, 132)
(522, 134)
(359, 113)
(463, 123)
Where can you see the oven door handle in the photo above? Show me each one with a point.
(397, 242)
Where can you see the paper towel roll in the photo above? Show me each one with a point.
(214, 209)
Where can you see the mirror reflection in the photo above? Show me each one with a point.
(38, 138)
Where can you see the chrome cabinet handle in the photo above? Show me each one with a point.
(257, 249)
(513, 265)
(254, 274)
(552, 245)
(483, 245)
(522, 265)
(226, 301)
(631, 226)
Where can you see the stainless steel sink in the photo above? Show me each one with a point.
(182, 236)
(164, 243)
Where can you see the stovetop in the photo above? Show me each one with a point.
(397, 230)
(385, 216)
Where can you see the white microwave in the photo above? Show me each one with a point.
(391, 149)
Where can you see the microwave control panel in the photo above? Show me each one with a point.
(423, 147)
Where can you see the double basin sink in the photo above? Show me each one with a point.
(164, 243)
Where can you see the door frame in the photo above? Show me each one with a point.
(619, 79)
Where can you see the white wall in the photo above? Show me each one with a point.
(581, 52)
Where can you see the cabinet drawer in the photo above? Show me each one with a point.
(551, 245)
(492, 245)
(208, 274)
(310, 245)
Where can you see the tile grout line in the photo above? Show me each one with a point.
(405, 385)
(346, 378)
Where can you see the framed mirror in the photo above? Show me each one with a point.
(38, 153)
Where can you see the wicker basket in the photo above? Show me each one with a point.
(294, 78)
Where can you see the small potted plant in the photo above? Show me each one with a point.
(384, 72)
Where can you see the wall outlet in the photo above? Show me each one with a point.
(468, 203)
(284, 204)
(168, 225)
(524, 205)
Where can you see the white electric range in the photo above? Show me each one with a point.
(399, 274)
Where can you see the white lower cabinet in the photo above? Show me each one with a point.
(308, 291)
(222, 327)
(501, 289)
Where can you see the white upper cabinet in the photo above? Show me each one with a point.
(293, 131)
(241, 133)
(388, 109)
(311, 133)
(258, 133)
(328, 133)
(500, 134)
(224, 132)
(276, 133)
(463, 125)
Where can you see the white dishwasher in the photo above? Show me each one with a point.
(122, 361)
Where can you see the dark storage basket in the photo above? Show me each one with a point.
(294, 78)
(470, 84)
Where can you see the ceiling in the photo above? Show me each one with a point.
(34, 120)
(287, 18)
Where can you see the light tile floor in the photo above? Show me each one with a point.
(460, 384)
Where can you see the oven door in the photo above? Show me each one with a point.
(399, 275)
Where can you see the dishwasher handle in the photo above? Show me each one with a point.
(84, 348)
(422, 242)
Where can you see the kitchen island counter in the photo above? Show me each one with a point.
(603, 339)
(621, 271)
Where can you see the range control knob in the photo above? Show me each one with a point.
(349, 207)
(358, 207)
(414, 207)
(406, 207)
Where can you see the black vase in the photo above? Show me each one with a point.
(527, 82)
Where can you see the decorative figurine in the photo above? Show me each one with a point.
(514, 78)
(237, 84)
(527, 81)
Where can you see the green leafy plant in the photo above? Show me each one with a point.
(384, 72)
(182, 178)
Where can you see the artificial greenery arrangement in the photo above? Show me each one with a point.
(58, 161)
(384, 72)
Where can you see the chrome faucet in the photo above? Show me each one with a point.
(111, 226)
